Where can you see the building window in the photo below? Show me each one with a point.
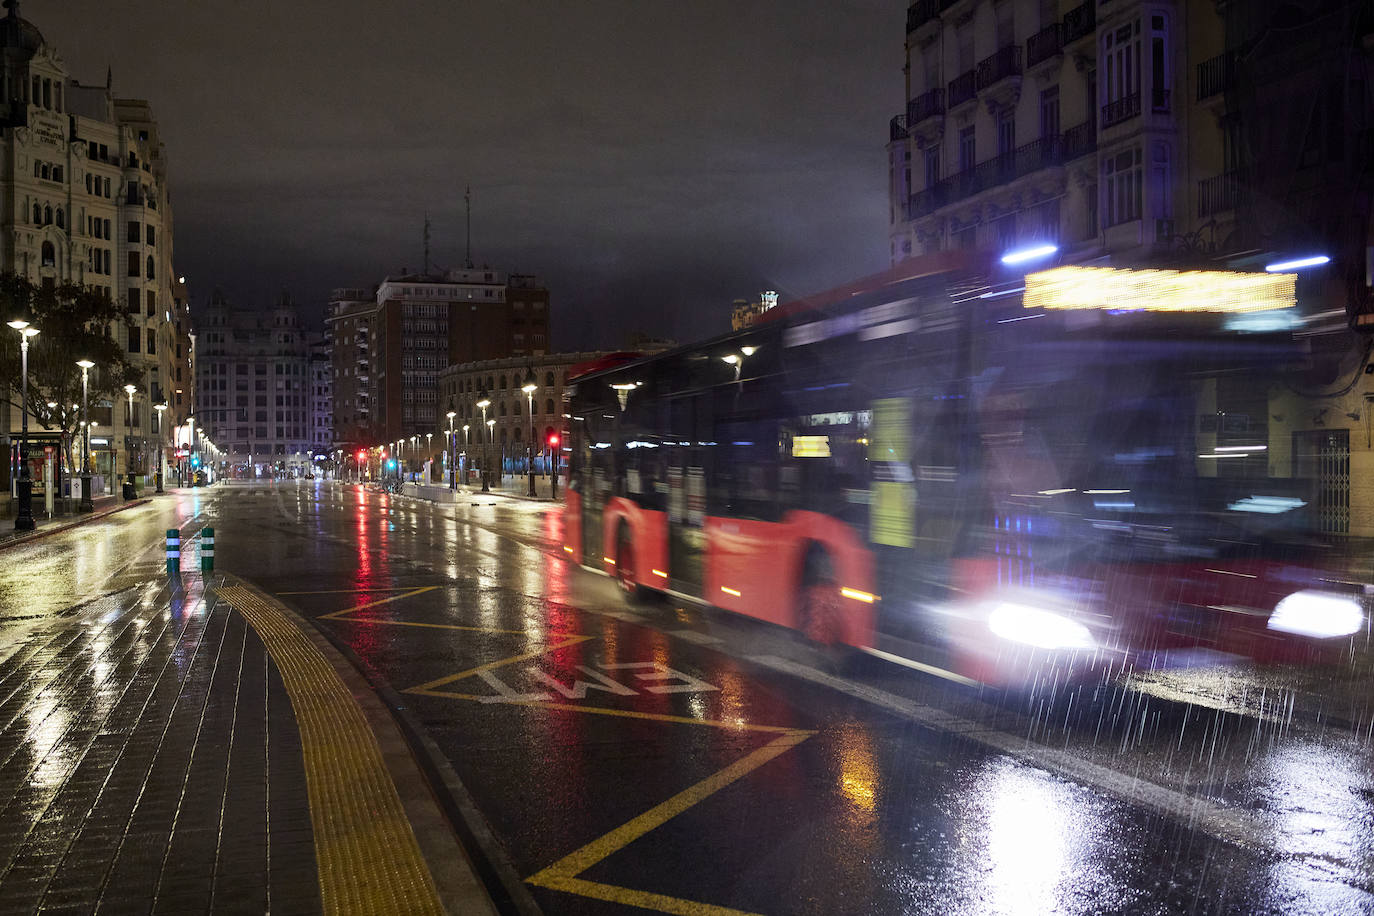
(967, 149)
(61, 219)
(133, 264)
(1122, 177)
(152, 303)
(134, 232)
(49, 255)
(1006, 129)
(37, 215)
(150, 267)
(152, 340)
(148, 236)
(135, 339)
(1049, 112)
(932, 158)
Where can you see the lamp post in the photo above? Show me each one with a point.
(86, 505)
(191, 425)
(530, 387)
(429, 449)
(452, 456)
(129, 446)
(158, 475)
(491, 444)
(414, 448)
(465, 449)
(23, 516)
(484, 402)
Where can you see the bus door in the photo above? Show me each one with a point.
(688, 467)
(597, 459)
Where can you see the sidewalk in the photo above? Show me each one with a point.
(104, 505)
(200, 749)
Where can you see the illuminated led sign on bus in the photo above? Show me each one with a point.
(1119, 289)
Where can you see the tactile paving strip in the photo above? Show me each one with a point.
(369, 859)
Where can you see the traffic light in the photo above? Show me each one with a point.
(195, 461)
(362, 456)
(553, 440)
(391, 465)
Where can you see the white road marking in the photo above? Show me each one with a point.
(701, 639)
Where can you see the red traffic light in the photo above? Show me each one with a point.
(361, 456)
(553, 440)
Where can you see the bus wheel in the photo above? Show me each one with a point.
(821, 615)
(625, 567)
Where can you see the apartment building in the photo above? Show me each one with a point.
(85, 187)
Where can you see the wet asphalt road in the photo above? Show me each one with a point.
(615, 760)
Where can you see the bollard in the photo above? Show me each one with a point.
(207, 550)
(173, 552)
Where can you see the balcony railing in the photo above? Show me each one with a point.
(1044, 44)
(1219, 193)
(1216, 76)
(926, 105)
(921, 12)
(897, 129)
(1079, 140)
(1159, 99)
(1007, 167)
(1002, 64)
(1080, 21)
(1123, 109)
(962, 88)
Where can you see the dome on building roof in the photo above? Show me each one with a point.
(18, 33)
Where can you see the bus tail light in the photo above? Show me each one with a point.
(660, 573)
(729, 591)
(857, 595)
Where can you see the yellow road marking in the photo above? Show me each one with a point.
(427, 687)
(415, 591)
(351, 591)
(606, 711)
(562, 875)
(369, 860)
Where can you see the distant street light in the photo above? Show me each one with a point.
(530, 387)
(484, 402)
(158, 475)
(129, 447)
(23, 518)
(86, 505)
(452, 456)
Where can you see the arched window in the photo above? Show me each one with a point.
(490, 386)
(503, 383)
(61, 219)
(47, 171)
(503, 437)
(150, 269)
(548, 407)
(57, 173)
(47, 216)
(49, 255)
(88, 182)
(515, 409)
(37, 169)
(503, 410)
(517, 433)
(548, 379)
(37, 215)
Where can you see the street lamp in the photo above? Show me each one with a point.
(465, 450)
(484, 402)
(429, 449)
(129, 446)
(530, 387)
(86, 505)
(452, 458)
(158, 476)
(23, 517)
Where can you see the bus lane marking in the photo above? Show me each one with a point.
(563, 874)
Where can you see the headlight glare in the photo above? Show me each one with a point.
(1320, 615)
(1038, 627)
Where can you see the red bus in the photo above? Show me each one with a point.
(979, 472)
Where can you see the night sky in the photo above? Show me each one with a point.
(651, 161)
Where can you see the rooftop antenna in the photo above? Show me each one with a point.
(467, 200)
(426, 244)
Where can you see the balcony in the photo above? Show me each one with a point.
(921, 12)
(963, 88)
(1004, 63)
(1219, 193)
(1024, 160)
(1080, 22)
(896, 129)
(1078, 141)
(1216, 76)
(1045, 44)
(1120, 111)
(926, 105)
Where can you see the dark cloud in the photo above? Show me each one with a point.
(651, 161)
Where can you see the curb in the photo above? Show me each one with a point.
(44, 532)
(460, 875)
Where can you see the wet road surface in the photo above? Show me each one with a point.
(610, 759)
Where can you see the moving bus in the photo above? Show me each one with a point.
(978, 471)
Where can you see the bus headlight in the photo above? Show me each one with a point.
(1038, 627)
(1321, 615)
